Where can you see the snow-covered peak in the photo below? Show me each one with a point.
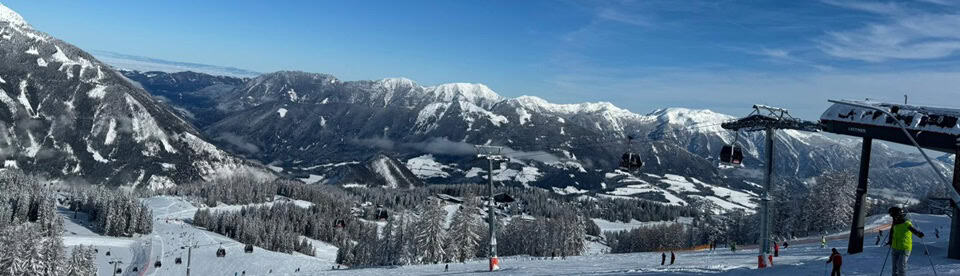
(471, 92)
(539, 104)
(396, 83)
(689, 117)
(12, 17)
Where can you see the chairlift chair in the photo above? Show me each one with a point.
(248, 248)
(157, 264)
(630, 160)
(119, 271)
(177, 261)
(221, 252)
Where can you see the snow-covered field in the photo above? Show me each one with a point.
(803, 257)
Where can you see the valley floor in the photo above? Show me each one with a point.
(803, 257)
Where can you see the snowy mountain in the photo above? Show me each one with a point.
(305, 121)
(66, 115)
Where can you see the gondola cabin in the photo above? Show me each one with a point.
(731, 154)
(382, 214)
(221, 252)
(630, 161)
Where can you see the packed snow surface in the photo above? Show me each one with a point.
(802, 257)
(171, 232)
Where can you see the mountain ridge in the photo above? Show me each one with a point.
(571, 145)
(67, 116)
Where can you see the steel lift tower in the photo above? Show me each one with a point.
(768, 119)
(493, 155)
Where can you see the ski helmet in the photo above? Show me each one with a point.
(895, 211)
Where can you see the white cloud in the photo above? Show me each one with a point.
(617, 15)
(901, 33)
(873, 7)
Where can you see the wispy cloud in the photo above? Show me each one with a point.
(625, 17)
(900, 33)
(873, 7)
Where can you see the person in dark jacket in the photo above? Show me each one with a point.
(776, 249)
(837, 261)
(673, 257)
(663, 258)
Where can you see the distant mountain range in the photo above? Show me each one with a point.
(308, 123)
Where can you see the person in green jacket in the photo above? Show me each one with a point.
(901, 240)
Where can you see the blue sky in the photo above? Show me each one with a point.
(641, 55)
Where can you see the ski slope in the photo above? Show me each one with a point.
(171, 233)
(802, 257)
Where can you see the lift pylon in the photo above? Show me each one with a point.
(768, 119)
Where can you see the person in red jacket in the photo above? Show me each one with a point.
(837, 261)
(776, 249)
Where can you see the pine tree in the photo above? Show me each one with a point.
(430, 235)
(81, 262)
(464, 235)
(830, 202)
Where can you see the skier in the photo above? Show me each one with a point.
(733, 246)
(837, 261)
(879, 236)
(785, 244)
(823, 241)
(936, 232)
(672, 257)
(776, 249)
(446, 267)
(663, 258)
(901, 240)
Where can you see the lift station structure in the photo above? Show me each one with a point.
(924, 127)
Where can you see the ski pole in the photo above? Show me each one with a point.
(927, 252)
(884, 265)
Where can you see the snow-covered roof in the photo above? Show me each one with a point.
(928, 119)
